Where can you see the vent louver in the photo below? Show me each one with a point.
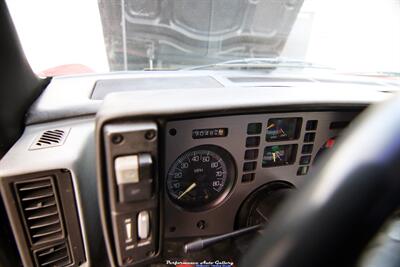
(40, 210)
(57, 255)
(50, 138)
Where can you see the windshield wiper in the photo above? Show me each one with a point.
(259, 63)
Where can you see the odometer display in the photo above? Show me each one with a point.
(201, 177)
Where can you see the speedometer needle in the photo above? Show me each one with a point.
(187, 190)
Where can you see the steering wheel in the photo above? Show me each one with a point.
(330, 220)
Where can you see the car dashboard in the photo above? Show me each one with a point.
(134, 177)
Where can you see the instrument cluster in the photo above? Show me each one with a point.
(212, 166)
(169, 182)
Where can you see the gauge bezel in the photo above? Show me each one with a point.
(229, 183)
(290, 158)
(294, 122)
(243, 216)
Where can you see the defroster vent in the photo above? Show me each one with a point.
(40, 210)
(50, 138)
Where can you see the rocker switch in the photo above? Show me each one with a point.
(127, 169)
(128, 230)
(143, 225)
(134, 177)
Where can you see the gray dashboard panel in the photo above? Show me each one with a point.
(161, 105)
(183, 221)
(104, 87)
(70, 96)
(76, 155)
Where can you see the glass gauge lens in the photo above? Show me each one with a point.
(283, 129)
(279, 155)
(201, 177)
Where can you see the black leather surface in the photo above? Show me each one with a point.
(331, 219)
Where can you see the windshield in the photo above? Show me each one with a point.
(124, 35)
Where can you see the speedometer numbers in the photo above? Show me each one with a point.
(201, 177)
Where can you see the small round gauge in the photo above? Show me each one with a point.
(283, 129)
(201, 177)
(279, 155)
(260, 205)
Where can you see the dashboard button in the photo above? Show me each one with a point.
(134, 177)
(311, 125)
(254, 128)
(303, 170)
(128, 230)
(135, 191)
(143, 222)
(249, 166)
(309, 137)
(305, 160)
(307, 149)
(251, 154)
(127, 169)
(248, 177)
(253, 141)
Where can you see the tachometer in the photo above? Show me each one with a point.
(201, 177)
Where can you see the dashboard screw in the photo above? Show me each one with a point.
(117, 139)
(150, 134)
(201, 224)
(172, 131)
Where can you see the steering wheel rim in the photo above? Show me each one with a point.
(329, 221)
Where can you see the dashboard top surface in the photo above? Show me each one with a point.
(227, 100)
(70, 96)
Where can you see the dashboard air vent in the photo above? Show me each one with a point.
(57, 255)
(50, 138)
(40, 210)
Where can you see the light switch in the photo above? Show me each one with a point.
(127, 169)
(143, 225)
(134, 177)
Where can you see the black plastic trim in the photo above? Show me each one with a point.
(19, 85)
(67, 205)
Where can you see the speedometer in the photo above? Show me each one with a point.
(201, 177)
